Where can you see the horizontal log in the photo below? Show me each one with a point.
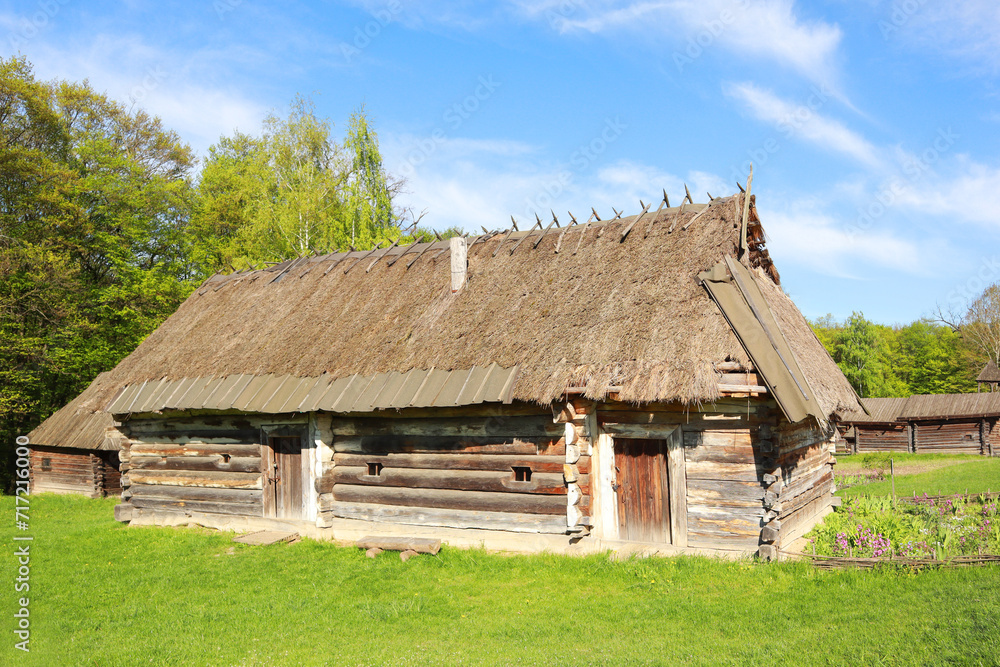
(461, 461)
(732, 452)
(711, 540)
(721, 524)
(216, 480)
(214, 463)
(173, 449)
(467, 480)
(733, 366)
(229, 496)
(420, 545)
(743, 379)
(720, 406)
(517, 503)
(198, 506)
(713, 492)
(736, 472)
(502, 427)
(734, 439)
(654, 431)
(197, 436)
(444, 518)
(547, 446)
(694, 421)
(742, 389)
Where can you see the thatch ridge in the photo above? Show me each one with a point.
(602, 313)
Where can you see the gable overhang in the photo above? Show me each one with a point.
(733, 288)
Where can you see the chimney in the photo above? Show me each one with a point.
(459, 262)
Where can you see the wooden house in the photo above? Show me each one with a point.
(75, 450)
(989, 376)
(642, 380)
(940, 423)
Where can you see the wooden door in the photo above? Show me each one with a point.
(643, 490)
(283, 476)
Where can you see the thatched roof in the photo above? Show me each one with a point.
(81, 423)
(990, 373)
(931, 407)
(597, 308)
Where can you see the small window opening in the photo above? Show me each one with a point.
(374, 469)
(46, 464)
(522, 473)
(225, 458)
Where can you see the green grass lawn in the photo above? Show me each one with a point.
(105, 594)
(974, 474)
(905, 463)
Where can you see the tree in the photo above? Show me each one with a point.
(94, 204)
(293, 191)
(368, 190)
(981, 325)
(863, 355)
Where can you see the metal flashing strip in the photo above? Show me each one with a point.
(732, 287)
(274, 394)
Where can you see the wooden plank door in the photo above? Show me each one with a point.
(283, 476)
(643, 490)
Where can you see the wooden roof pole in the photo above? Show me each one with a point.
(744, 248)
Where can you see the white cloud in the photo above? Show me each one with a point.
(765, 29)
(970, 192)
(805, 122)
(969, 29)
(181, 91)
(802, 233)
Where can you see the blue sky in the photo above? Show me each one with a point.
(872, 125)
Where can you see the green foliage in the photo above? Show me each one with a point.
(94, 202)
(876, 461)
(292, 191)
(369, 199)
(922, 357)
(870, 526)
(106, 594)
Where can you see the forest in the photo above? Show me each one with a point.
(108, 220)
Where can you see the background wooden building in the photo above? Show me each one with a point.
(76, 450)
(942, 423)
(989, 377)
(639, 380)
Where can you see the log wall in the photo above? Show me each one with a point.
(951, 436)
(723, 466)
(201, 462)
(65, 470)
(804, 486)
(460, 468)
(883, 438)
